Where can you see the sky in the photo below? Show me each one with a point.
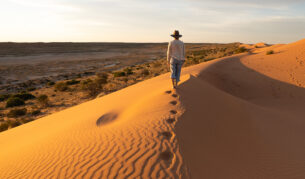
(221, 21)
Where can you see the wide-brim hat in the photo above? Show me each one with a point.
(176, 34)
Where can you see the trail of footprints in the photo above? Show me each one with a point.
(168, 155)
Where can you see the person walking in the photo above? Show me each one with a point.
(175, 57)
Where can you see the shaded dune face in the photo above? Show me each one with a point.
(244, 116)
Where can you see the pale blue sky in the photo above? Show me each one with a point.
(248, 21)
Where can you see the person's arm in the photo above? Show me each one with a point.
(169, 52)
(184, 52)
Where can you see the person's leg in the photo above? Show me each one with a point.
(178, 71)
(173, 70)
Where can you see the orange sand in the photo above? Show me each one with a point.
(236, 117)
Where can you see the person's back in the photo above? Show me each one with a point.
(176, 50)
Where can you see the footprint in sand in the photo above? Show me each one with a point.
(174, 95)
(173, 103)
(167, 134)
(168, 92)
(106, 118)
(173, 111)
(170, 120)
(167, 155)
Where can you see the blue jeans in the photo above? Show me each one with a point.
(175, 68)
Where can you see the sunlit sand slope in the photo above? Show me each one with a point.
(125, 134)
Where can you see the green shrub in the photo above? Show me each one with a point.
(240, 50)
(119, 74)
(35, 112)
(128, 71)
(51, 83)
(270, 52)
(72, 82)
(43, 100)
(24, 96)
(145, 72)
(61, 86)
(14, 101)
(16, 113)
(26, 120)
(4, 97)
(100, 81)
(31, 89)
(102, 75)
(3, 126)
(93, 88)
(14, 123)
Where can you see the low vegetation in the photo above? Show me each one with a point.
(3, 126)
(43, 100)
(14, 101)
(119, 74)
(24, 96)
(72, 82)
(53, 96)
(4, 97)
(36, 112)
(14, 113)
(61, 86)
(241, 50)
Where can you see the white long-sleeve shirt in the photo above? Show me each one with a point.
(176, 50)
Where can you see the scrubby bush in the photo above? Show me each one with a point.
(35, 112)
(26, 120)
(51, 83)
(4, 97)
(14, 123)
(24, 96)
(3, 126)
(31, 89)
(240, 50)
(145, 72)
(93, 88)
(101, 78)
(270, 52)
(61, 86)
(16, 113)
(14, 101)
(43, 100)
(72, 82)
(119, 74)
(103, 75)
(128, 71)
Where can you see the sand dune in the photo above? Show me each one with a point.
(244, 116)
(236, 117)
